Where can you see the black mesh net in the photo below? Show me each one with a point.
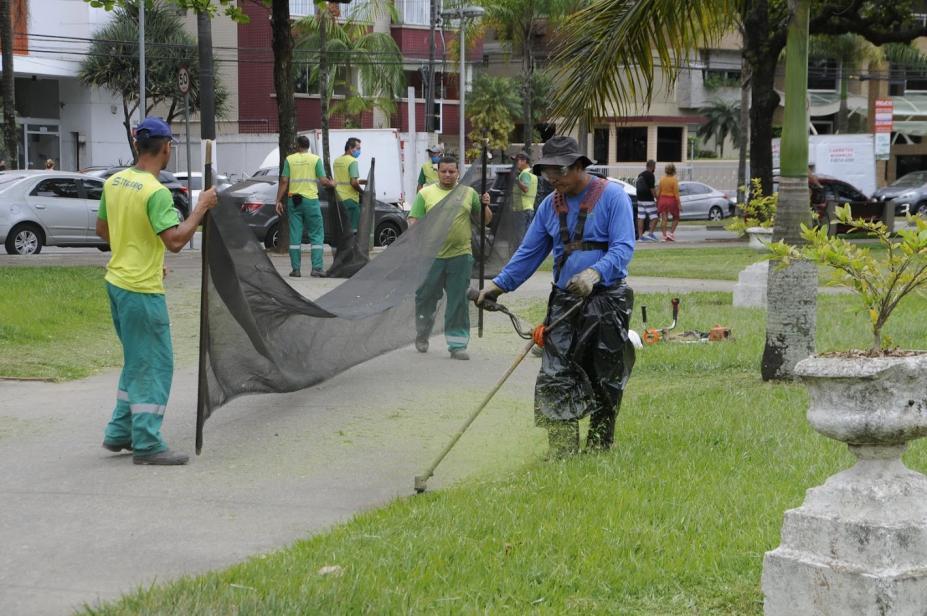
(262, 336)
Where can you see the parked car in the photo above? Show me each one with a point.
(221, 182)
(702, 202)
(256, 198)
(841, 193)
(48, 208)
(178, 190)
(908, 193)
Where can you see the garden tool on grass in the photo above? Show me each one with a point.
(652, 335)
(534, 337)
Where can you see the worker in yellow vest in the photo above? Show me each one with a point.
(302, 174)
(524, 193)
(347, 180)
(428, 174)
(450, 272)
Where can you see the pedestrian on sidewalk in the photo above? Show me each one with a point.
(347, 180)
(302, 174)
(645, 186)
(450, 273)
(138, 220)
(587, 359)
(669, 202)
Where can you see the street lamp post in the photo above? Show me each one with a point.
(462, 13)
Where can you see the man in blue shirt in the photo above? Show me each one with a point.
(588, 222)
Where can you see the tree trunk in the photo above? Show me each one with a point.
(430, 81)
(764, 102)
(323, 83)
(127, 124)
(282, 44)
(381, 24)
(792, 291)
(8, 87)
(743, 139)
(529, 91)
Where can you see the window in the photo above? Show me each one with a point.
(57, 187)
(715, 78)
(845, 192)
(301, 8)
(93, 189)
(307, 79)
(694, 188)
(669, 143)
(600, 146)
(823, 75)
(414, 12)
(632, 144)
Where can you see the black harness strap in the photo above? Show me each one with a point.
(574, 242)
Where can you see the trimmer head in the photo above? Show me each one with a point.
(420, 483)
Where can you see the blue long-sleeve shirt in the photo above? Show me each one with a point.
(611, 221)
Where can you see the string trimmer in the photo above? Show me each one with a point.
(535, 336)
(653, 336)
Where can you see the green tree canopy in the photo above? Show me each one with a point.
(112, 62)
(492, 107)
(722, 119)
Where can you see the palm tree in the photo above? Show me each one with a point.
(335, 51)
(492, 108)
(722, 119)
(517, 23)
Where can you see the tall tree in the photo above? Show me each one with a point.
(518, 23)
(722, 118)
(8, 86)
(112, 63)
(492, 107)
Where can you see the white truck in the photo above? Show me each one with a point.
(850, 158)
(380, 143)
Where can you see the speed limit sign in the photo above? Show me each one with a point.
(183, 80)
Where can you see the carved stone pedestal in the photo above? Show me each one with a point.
(858, 544)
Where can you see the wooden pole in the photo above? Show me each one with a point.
(202, 389)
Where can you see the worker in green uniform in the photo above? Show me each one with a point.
(525, 191)
(450, 272)
(347, 180)
(428, 174)
(138, 220)
(302, 174)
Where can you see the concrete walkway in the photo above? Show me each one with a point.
(79, 525)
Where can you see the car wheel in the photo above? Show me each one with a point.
(103, 248)
(273, 237)
(715, 213)
(921, 209)
(386, 234)
(24, 239)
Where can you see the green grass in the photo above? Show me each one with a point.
(675, 520)
(705, 263)
(55, 323)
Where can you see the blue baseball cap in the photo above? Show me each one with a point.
(154, 126)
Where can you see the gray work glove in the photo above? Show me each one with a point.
(490, 292)
(581, 284)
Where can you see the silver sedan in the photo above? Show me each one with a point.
(702, 202)
(48, 208)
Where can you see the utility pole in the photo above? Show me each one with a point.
(141, 60)
(430, 80)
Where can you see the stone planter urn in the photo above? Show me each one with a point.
(858, 544)
(759, 237)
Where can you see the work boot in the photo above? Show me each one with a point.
(295, 274)
(117, 447)
(162, 458)
(563, 439)
(421, 345)
(601, 430)
(317, 273)
(459, 354)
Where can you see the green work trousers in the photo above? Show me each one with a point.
(308, 215)
(352, 208)
(143, 327)
(450, 276)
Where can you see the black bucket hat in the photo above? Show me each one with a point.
(560, 151)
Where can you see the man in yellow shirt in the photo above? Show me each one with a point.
(428, 174)
(450, 272)
(138, 219)
(524, 193)
(347, 180)
(302, 174)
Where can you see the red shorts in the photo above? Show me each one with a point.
(668, 205)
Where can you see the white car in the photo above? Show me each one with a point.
(48, 208)
(196, 183)
(702, 202)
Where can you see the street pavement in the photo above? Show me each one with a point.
(79, 525)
